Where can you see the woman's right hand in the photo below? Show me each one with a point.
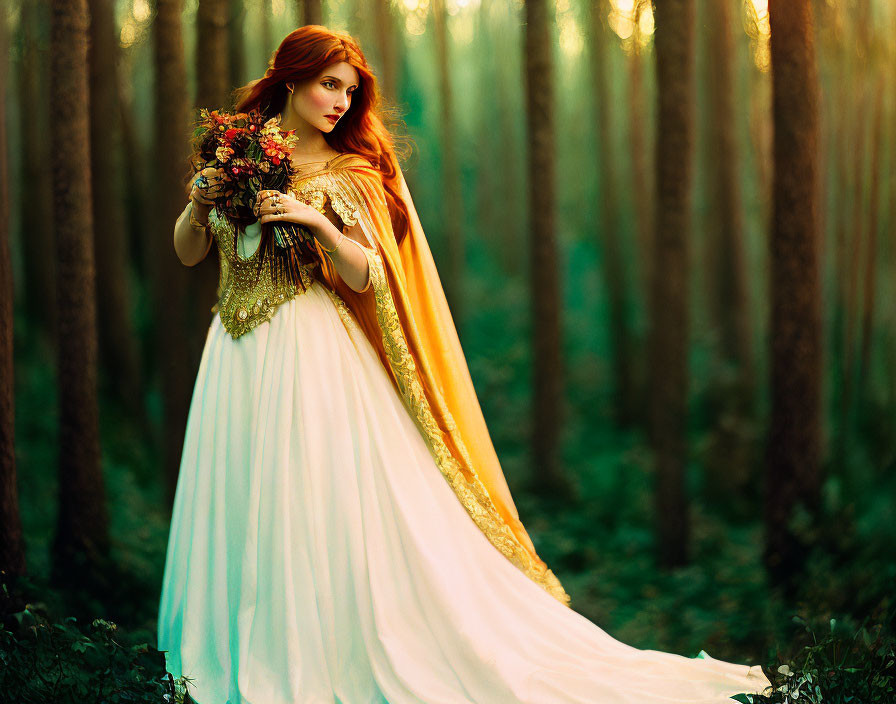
(205, 193)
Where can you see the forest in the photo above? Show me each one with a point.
(666, 230)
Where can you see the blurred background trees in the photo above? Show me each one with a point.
(670, 265)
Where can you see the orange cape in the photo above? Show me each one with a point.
(404, 314)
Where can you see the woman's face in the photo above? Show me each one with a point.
(330, 94)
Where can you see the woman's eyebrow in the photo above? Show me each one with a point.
(339, 80)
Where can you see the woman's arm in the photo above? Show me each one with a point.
(349, 260)
(190, 242)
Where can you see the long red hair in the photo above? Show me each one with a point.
(302, 55)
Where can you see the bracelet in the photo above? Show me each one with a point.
(193, 221)
(338, 242)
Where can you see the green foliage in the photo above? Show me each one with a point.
(64, 662)
(837, 668)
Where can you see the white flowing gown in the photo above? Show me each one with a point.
(318, 556)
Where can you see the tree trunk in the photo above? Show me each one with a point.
(267, 36)
(118, 339)
(212, 86)
(544, 278)
(730, 468)
(12, 547)
(312, 11)
(172, 152)
(643, 187)
(81, 542)
(854, 244)
(729, 296)
(137, 210)
(610, 235)
(387, 47)
(642, 170)
(669, 327)
(452, 233)
(489, 208)
(237, 43)
(212, 91)
(37, 223)
(794, 442)
(511, 182)
(870, 276)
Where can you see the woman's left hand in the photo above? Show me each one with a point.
(274, 206)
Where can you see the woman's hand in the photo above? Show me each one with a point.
(206, 186)
(274, 206)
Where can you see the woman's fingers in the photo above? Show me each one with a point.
(263, 202)
(202, 199)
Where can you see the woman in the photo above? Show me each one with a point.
(342, 530)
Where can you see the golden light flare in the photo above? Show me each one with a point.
(632, 22)
(129, 34)
(462, 28)
(135, 26)
(415, 13)
(571, 36)
(141, 11)
(13, 18)
(456, 7)
(758, 28)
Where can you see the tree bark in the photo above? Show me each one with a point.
(237, 42)
(267, 36)
(453, 233)
(212, 91)
(172, 152)
(312, 11)
(387, 47)
(511, 182)
(871, 256)
(37, 223)
(118, 339)
(793, 455)
(729, 295)
(12, 547)
(669, 325)
(642, 169)
(729, 470)
(610, 235)
(544, 277)
(212, 81)
(81, 543)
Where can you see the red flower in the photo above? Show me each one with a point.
(231, 133)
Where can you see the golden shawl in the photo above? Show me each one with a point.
(404, 314)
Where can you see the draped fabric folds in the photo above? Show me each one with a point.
(405, 315)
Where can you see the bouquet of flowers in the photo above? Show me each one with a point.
(253, 154)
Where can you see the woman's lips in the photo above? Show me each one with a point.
(332, 118)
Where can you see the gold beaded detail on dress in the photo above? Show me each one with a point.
(243, 301)
(247, 296)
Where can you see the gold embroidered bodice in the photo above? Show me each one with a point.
(248, 297)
